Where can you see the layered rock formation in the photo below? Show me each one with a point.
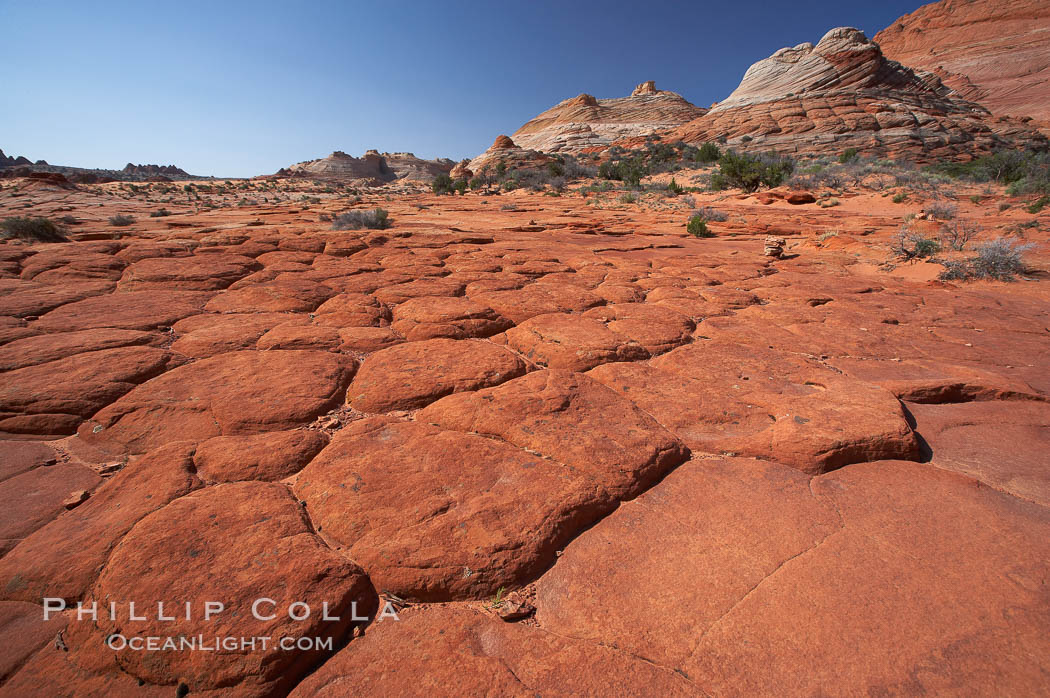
(844, 93)
(373, 165)
(504, 150)
(995, 53)
(586, 122)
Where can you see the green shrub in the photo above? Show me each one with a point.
(442, 184)
(708, 152)
(31, 230)
(674, 189)
(913, 245)
(121, 220)
(697, 227)
(900, 197)
(160, 213)
(460, 185)
(1038, 205)
(848, 155)
(749, 172)
(629, 171)
(376, 219)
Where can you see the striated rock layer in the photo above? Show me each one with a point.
(995, 53)
(585, 122)
(843, 93)
(375, 166)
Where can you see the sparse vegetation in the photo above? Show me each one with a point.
(376, 219)
(749, 172)
(941, 212)
(442, 184)
(1001, 259)
(848, 155)
(957, 234)
(31, 230)
(900, 197)
(697, 227)
(160, 213)
(909, 245)
(121, 220)
(712, 214)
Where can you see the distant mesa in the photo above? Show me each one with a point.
(170, 171)
(993, 52)
(373, 167)
(585, 122)
(843, 93)
(23, 167)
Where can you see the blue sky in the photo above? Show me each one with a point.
(243, 88)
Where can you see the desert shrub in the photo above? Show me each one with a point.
(1004, 206)
(941, 212)
(697, 227)
(442, 184)
(673, 188)
(508, 207)
(712, 214)
(376, 219)
(460, 185)
(1000, 259)
(749, 172)
(160, 213)
(975, 199)
(121, 220)
(1038, 205)
(708, 152)
(627, 198)
(957, 234)
(476, 183)
(900, 197)
(629, 171)
(1026, 172)
(69, 220)
(31, 230)
(848, 155)
(911, 245)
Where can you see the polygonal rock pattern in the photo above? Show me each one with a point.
(435, 514)
(206, 272)
(572, 342)
(434, 648)
(274, 455)
(62, 559)
(855, 551)
(131, 310)
(202, 336)
(55, 397)
(33, 498)
(722, 397)
(1004, 444)
(290, 295)
(233, 542)
(16, 457)
(572, 419)
(536, 299)
(52, 347)
(412, 375)
(223, 395)
(432, 317)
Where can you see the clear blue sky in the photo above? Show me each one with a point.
(243, 88)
